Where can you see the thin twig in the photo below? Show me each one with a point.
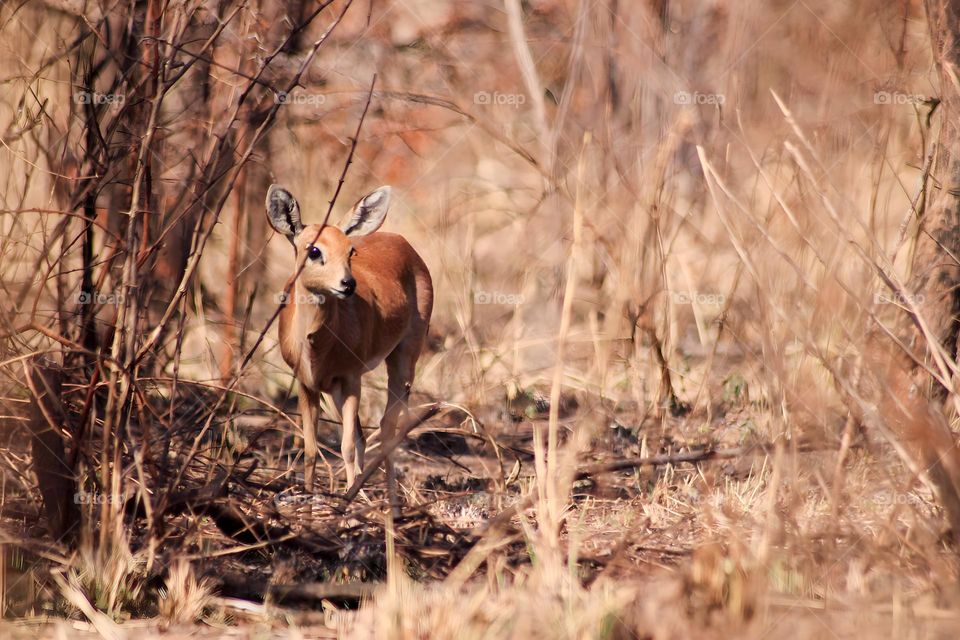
(353, 148)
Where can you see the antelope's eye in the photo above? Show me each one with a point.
(314, 253)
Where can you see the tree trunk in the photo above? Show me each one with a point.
(56, 480)
(936, 272)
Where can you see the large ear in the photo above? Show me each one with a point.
(283, 212)
(368, 214)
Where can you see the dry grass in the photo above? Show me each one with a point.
(654, 229)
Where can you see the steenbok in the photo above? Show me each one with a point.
(360, 298)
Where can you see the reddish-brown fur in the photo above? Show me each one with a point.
(330, 340)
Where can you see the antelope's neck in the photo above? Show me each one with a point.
(311, 315)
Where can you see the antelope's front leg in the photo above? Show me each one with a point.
(350, 449)
(309, 402)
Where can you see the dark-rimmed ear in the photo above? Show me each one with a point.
(368, 213)
(283, 211)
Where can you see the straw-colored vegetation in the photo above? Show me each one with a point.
(691, 367)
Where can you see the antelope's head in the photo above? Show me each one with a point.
(325, 252)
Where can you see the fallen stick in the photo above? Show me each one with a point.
(387, 448)
(653, 461)
(244, 588)
(319, 591)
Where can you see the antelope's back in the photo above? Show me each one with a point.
(392, 276)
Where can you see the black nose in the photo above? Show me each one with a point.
(349, 286)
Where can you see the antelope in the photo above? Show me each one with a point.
(359, 297)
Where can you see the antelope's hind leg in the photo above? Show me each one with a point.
(401, 366)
